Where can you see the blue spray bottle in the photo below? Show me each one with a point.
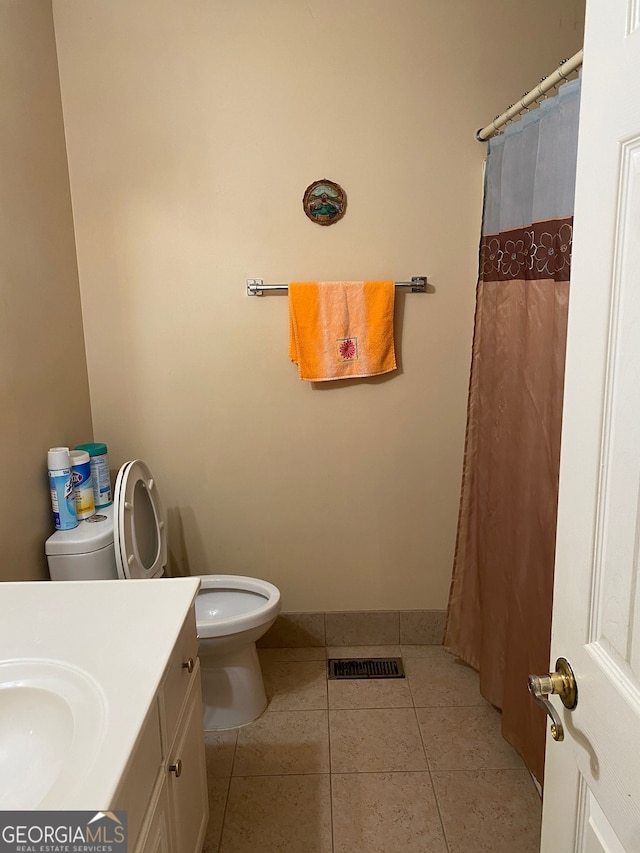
(63, 499)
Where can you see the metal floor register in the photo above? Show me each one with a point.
(343, 668)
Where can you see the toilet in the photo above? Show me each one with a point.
(128, 539)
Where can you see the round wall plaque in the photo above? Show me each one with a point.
(324, 202)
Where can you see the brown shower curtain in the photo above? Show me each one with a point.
(499, 617)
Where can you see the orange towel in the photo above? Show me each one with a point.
(341, 329)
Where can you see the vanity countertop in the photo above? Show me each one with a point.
(112, 635)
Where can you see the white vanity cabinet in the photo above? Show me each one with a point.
(164, 789)
(157, 832)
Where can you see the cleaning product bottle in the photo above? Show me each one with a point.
(63, 499)
(82, 483)
(99, 472)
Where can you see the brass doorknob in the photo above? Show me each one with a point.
(176, 768)
(560, 682)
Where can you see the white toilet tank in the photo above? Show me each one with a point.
(84, 553)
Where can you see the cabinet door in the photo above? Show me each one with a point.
(136, 788)
(177, 680)
(188, 781)
(157, 837)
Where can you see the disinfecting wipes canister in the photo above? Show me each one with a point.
(99, 472)
(63, 500)
(82, 483)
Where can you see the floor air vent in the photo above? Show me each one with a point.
(340, 668)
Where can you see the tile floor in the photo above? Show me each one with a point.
(413, 765)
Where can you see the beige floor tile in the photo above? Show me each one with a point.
(375, 740)
(219, 750)
(283, 742)
(363, 651)
(370, 693)
(438, 679)
(279, 797)
(489, 811)
(218, 790)
(287, 814)
(296, 685)
(385, 813)
(271, 655)
(465, 739)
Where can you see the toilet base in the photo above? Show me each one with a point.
(233, 691)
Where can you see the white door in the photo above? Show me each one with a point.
(592, 782)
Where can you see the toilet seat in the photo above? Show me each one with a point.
(139, 532)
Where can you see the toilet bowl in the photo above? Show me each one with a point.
(232, 612)
(128, 540)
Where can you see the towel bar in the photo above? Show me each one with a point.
(256, 287)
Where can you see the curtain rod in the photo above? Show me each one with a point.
(561, 73)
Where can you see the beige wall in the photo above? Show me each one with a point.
(193, 130)
(43, 375)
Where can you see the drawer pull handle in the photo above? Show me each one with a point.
(188, 665)
(176, 768)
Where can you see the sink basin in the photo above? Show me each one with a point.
(52, 721)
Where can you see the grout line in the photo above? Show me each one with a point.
(226, 799)
(381, 772)
(224, 814)
(333, 840)
(235, 752)
(413, 698)
(371, 772)
(326, 672)
(340, 773)
(375, 708)
(281, 774)
(433, 786)
(479, 770)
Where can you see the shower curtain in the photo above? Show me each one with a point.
(499, 616)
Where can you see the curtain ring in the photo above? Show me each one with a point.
(541, 95)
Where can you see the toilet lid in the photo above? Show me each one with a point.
(139, 533)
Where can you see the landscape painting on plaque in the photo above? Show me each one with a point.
(324, 202)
